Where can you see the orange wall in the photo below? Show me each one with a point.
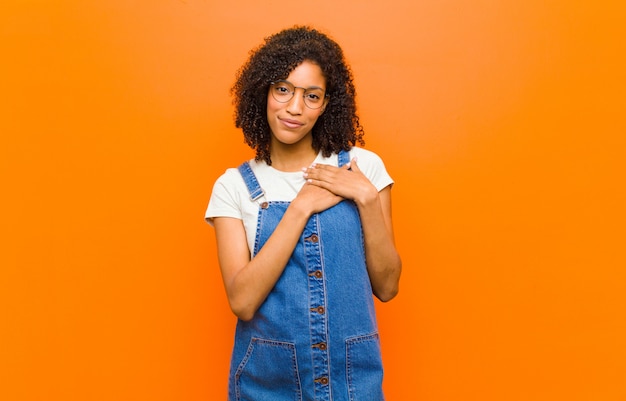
(502, 123)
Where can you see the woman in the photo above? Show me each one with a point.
(304, 231)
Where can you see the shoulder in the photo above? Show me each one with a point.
(365, 155)
(372, 165)
(230, 179)
(229, 191)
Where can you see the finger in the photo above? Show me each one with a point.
(316, 166)
(353, 165)
(319, 171)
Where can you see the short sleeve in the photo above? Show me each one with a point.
(224, 201)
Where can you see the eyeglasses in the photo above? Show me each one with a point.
(282, 91)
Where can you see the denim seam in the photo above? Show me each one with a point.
(350, 341)
(291, 347)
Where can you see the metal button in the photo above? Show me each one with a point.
(321, 346)
(319, 309)
(322, 380)
(313, 238)
(317, 274)
(264, 205)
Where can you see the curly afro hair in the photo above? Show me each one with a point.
(336, 129)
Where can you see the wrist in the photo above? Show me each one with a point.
(367, 198)
(299, 209)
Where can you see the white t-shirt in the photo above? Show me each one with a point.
(230, 196)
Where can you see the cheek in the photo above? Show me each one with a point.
(315, 115)
(272, 105)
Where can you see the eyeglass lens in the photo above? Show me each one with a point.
(283, 91)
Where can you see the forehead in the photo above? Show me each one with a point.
(306, 75)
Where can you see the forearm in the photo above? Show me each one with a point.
(383, 261)
(248, 289)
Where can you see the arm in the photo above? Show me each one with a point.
(383, 261)
(249, 281)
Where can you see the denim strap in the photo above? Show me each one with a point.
(344, 157)
(250, 179)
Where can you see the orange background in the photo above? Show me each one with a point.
(502, 123)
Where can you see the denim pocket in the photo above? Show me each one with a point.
(268, 372)
(364, 368)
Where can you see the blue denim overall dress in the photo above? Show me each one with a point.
(315, 336)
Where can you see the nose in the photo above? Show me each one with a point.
(295, 106)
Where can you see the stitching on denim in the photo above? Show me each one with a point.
(249, 178)
(291, 347)
(350, 341)
(259, 223)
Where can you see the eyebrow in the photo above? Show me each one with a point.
(301, 87)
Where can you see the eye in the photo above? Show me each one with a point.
(282, 88)
(313, 96)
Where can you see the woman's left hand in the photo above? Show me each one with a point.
(347, 181)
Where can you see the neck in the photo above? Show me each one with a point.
(290, 158)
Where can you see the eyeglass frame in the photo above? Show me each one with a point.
(272, 83)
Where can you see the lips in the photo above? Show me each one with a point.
(291, 123)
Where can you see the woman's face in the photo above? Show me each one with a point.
(291, 119)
